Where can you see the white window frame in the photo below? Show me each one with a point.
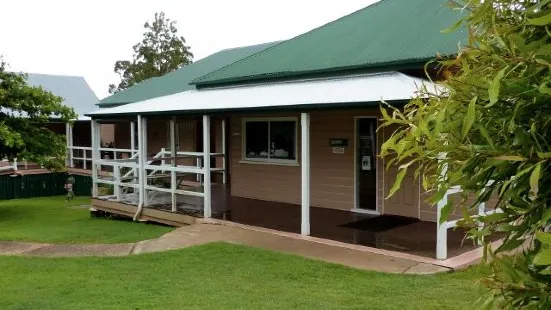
(267, 161)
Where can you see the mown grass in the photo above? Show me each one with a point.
(221, 276)
(54, 220)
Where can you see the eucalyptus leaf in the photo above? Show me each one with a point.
(540, 21)
(534, 179)
(493, 90)
(396, 186)
(469, 118)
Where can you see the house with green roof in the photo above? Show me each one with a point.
(289, 137)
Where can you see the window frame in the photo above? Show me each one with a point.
(267, 161)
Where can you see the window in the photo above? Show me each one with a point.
(270, 140)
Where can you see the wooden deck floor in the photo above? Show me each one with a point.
(414, 237)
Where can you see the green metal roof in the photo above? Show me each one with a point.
(389, 32)
(178, 81)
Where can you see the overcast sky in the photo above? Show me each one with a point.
(85, 38)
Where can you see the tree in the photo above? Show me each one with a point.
(24, 112)
(161, 51)
(489, 131)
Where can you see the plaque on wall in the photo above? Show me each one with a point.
(335, 142)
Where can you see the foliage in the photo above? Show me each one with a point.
(161, 51)
(488, 130)
(24, 112)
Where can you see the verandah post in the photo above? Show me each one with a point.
(207, 210)
(69, 140)
(441, 231)
(141, 168)
(143, 157)
(173, 154)
(95, 151)
(305, 179)
(224, 172)
(133, 144)
(441, 226)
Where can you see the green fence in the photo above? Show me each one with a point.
(42, 185)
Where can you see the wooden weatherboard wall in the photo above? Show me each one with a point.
(332, 174)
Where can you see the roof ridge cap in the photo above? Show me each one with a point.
(49, 74)
(304, 80)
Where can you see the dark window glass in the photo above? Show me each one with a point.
(256, 143)
(282, 140)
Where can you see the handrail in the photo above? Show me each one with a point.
(442, 227)
(104, 149)
(158, 155)
(191, 154)
(80, 148)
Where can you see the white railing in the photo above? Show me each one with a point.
(142, 168)
(82, 155)
(442, 228)
(83, 151)
(198, 162)
(128, 180)
(9, 166)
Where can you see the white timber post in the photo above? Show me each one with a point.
(133, 144)
(163, 161)
(207, 210)
(85, 159)
(173, 154)
(95, 158)
(141, 188)
(224, 172)
(98, 138)
(144, 159)
(441, 226)
(117, 179)
(442, 231)
(71, 161)
(199, 177)
(15, 164)
(68, 139)
(305, 162)
(481, 213)
(132, 138)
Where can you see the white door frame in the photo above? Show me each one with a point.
(356, 191)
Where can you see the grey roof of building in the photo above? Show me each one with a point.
(74, 90)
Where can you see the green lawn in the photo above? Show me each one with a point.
(54, 220)
(221, 276)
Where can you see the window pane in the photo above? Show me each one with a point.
(256, 143)
(282, 139)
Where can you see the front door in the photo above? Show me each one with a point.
(366, 163)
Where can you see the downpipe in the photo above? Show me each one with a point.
(138, 213)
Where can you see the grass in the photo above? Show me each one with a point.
(53, 220)
(221, 276)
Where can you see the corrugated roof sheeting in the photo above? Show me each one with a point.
(369, 88)
(387, 32)
(74, 90)
(178, 81)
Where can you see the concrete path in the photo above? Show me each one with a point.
(206, 233)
